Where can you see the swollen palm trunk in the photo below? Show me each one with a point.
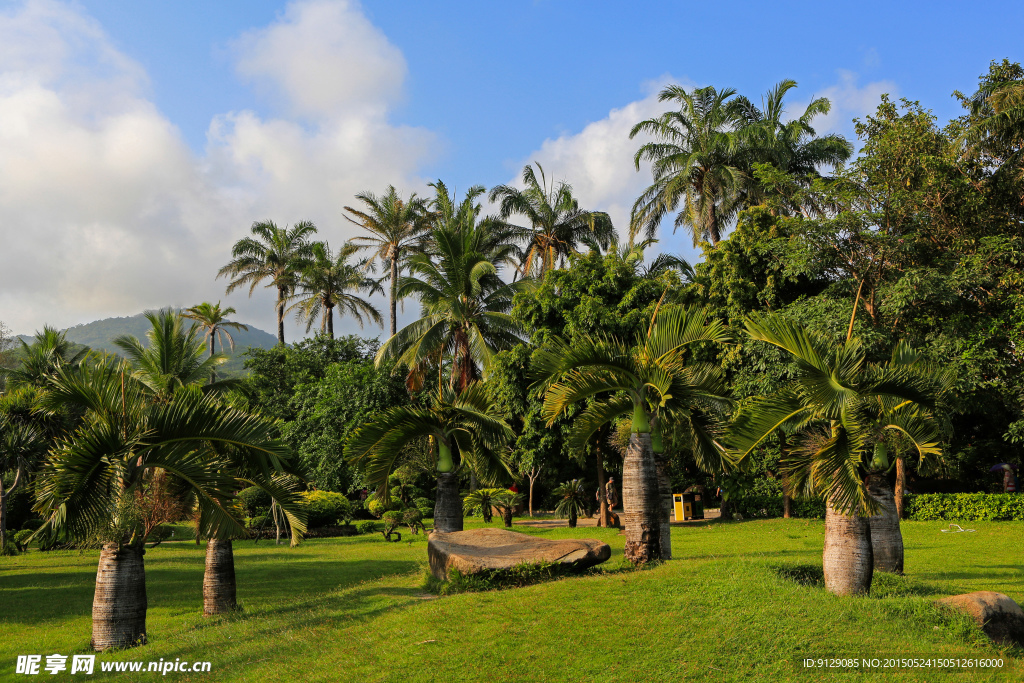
(448, 508)
(641, 501)
(886, 539)
(665, 500)
(847, 560)
(219, 579)
(119, 603)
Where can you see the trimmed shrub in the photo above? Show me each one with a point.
(392, 518)
(413, 519)
(965, 507)
(255, 501)
(327, 508)
(367, 527)
(21, 539)
(257, 521)
(771, 506)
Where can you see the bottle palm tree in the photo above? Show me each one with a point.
(91, 486)
(557, 225)
(651, 381)
(395, 228)
(697, 159)
(572, 500)
(463, 428)
(844, 407)
(214, 323)
(173, 359)
(273, 255)
(326, 283)
(465, 303)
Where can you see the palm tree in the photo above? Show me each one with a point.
(506, 500)
(651, 381)
(558, 226)
(572, 500)
(92, 484)
(793, 146)
(49, 351)
(482, 500)
(21, 446)
(463, 429)
(212, 320)
(999, 112)
(465, 303)
(273, 255)
(326, 282)
(844, 407)
(395, 228)
(174, 357)
(697, 159)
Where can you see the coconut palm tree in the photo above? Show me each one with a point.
(273, 255)
(790, 146)
(463, 428)
(651, 381)
(173, 359)
(396, 228)
(213, 321)
(465, 303)
(327, 282)
(999, 112)
(42, 357)
(696, 159)
(557, 225)
(572, 500)
(844, 408)
(93, 482)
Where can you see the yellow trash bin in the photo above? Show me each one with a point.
(678, 511)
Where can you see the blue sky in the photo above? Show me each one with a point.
(139, 139)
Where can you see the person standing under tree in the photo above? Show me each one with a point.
(610, 494)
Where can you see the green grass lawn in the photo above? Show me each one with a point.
(742, 601)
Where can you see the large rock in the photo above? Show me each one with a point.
(478, 550)
(998, 615)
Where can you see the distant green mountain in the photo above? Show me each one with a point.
(100, 334)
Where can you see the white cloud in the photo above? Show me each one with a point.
(324, 57)
(849, 101)
(104, 210)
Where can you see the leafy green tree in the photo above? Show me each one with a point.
(327, 282)
(655, 383)
(395, 228)
(91, 487)
(21, 447)
(463, 429)
(273, 255)
(843, 406)
(557, 225)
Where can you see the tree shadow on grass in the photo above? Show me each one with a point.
(883, 584)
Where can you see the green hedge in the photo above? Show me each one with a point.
(965, 507)
(771, 506)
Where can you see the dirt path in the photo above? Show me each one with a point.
(592, 521)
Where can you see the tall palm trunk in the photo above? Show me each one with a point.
(665, 503)
(886, 539)
(282, 297)
(219, 579)
(901, 485)
(330, 321)
(448, 505)
(119, 603)
(847, 560)
(394, 293)
(641, 501)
